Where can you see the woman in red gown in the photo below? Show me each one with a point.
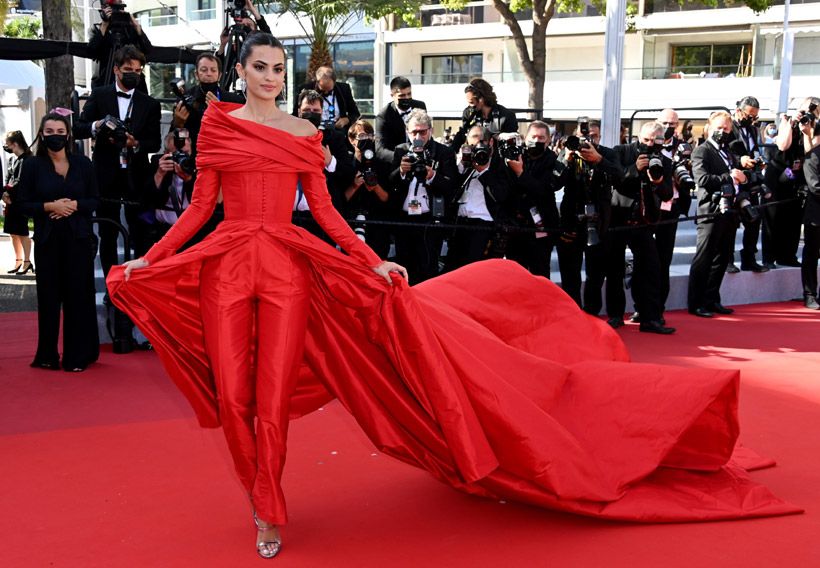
(490, 379)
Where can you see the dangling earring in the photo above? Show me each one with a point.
(243, 86)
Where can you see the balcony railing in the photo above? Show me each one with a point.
(204, 14)
(157, 17)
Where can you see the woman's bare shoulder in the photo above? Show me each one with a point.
(296, 126)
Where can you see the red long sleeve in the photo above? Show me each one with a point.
(321, 207)
(192, 219)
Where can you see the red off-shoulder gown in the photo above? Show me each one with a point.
(489, 378)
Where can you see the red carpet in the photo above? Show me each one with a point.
(108, 469)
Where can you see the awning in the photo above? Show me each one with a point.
(796, 29)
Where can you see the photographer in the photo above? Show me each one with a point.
(424, 174)
(391, 123)
(746, 150)
(170, 188)
(587, 173)
(786, 177)
(339, 165)
(191, 105)
(125, 125)
(480, 200)
(338, 108)
(720, 183)
(483, 109)
(368, 196)
(679, 151)
(117, 29)
(636, 203)
(811, 217)
(532, 199)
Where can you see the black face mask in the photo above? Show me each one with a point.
(722, 138)
(209, 87)
(130, 80)
(365, 145)
(746, 121)
(7, 149)
(55, 142)
(315, 118)
(535, 149)
(669, 133)
(404, 104)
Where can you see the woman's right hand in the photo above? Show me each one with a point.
(132, 265)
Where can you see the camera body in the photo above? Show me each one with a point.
(509, 146)
(590, 218)
(238, 10)
(682, 168)
(653, 152)
(180, 157)
(419, 160)
(113, 129)
(118, 13)
(178, 88)
(368, 152)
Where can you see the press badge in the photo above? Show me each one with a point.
(666, 205)
(414, 207)
(536, 218)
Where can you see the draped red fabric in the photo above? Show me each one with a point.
(489, 378)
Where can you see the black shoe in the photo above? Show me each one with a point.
(721, 309)
(635, 318)
(26, 268)
(790, 262)
(44, 364)
(732, 269)
(144, 346)
(702, 313)
(811, 303)
(656, 327)
(754, 267)
(615, 323)
(770, 265)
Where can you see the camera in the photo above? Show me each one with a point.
(368, 151)
(359, 228)
(682, 168)
(726, 197)
(118, 13)
(417, 156)
(590, 218)
(806, 118)
(509, 146)
(238, 10)
(653, 152)
(180, 157)
(178, 89)
(481, 153)
(113, 129)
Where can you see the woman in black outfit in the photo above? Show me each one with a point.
(16, 224)
(59, 190)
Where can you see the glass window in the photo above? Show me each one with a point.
(353, 62)
(718, 60)
(450, 68)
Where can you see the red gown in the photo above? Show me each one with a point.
(487, 377)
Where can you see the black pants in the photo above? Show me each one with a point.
(530, 252)
(418, 248)
(714, 252)
(811, 252)
(751, 234)
(109, 233)
(646, 280)
(65, 278)
(469, 244)
(570, 260)
(782, 223)
(665, 236)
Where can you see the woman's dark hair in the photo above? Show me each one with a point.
(483, 90)
(258, 39)
(42, 150)
(16, 137)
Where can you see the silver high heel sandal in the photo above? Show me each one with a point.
(266, 548)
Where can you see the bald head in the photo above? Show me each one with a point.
(669, 119)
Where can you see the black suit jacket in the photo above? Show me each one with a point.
(39, 184)
(444, 183)
(710, 173)
(812, 171)
(144, 126)
(496, 186)
(391, 129)
(750, 150)
(345, 105)
(535, 188)
(501, 119)
(635, 193)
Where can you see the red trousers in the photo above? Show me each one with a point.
(254, 311)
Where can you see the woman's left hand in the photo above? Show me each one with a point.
(386, 267)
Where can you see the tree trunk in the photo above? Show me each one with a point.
(319, 57)
(59, 70)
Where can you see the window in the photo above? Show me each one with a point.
(716, 60)
(203, 9)
(450, 68)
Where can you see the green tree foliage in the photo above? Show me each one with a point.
(26, 27)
